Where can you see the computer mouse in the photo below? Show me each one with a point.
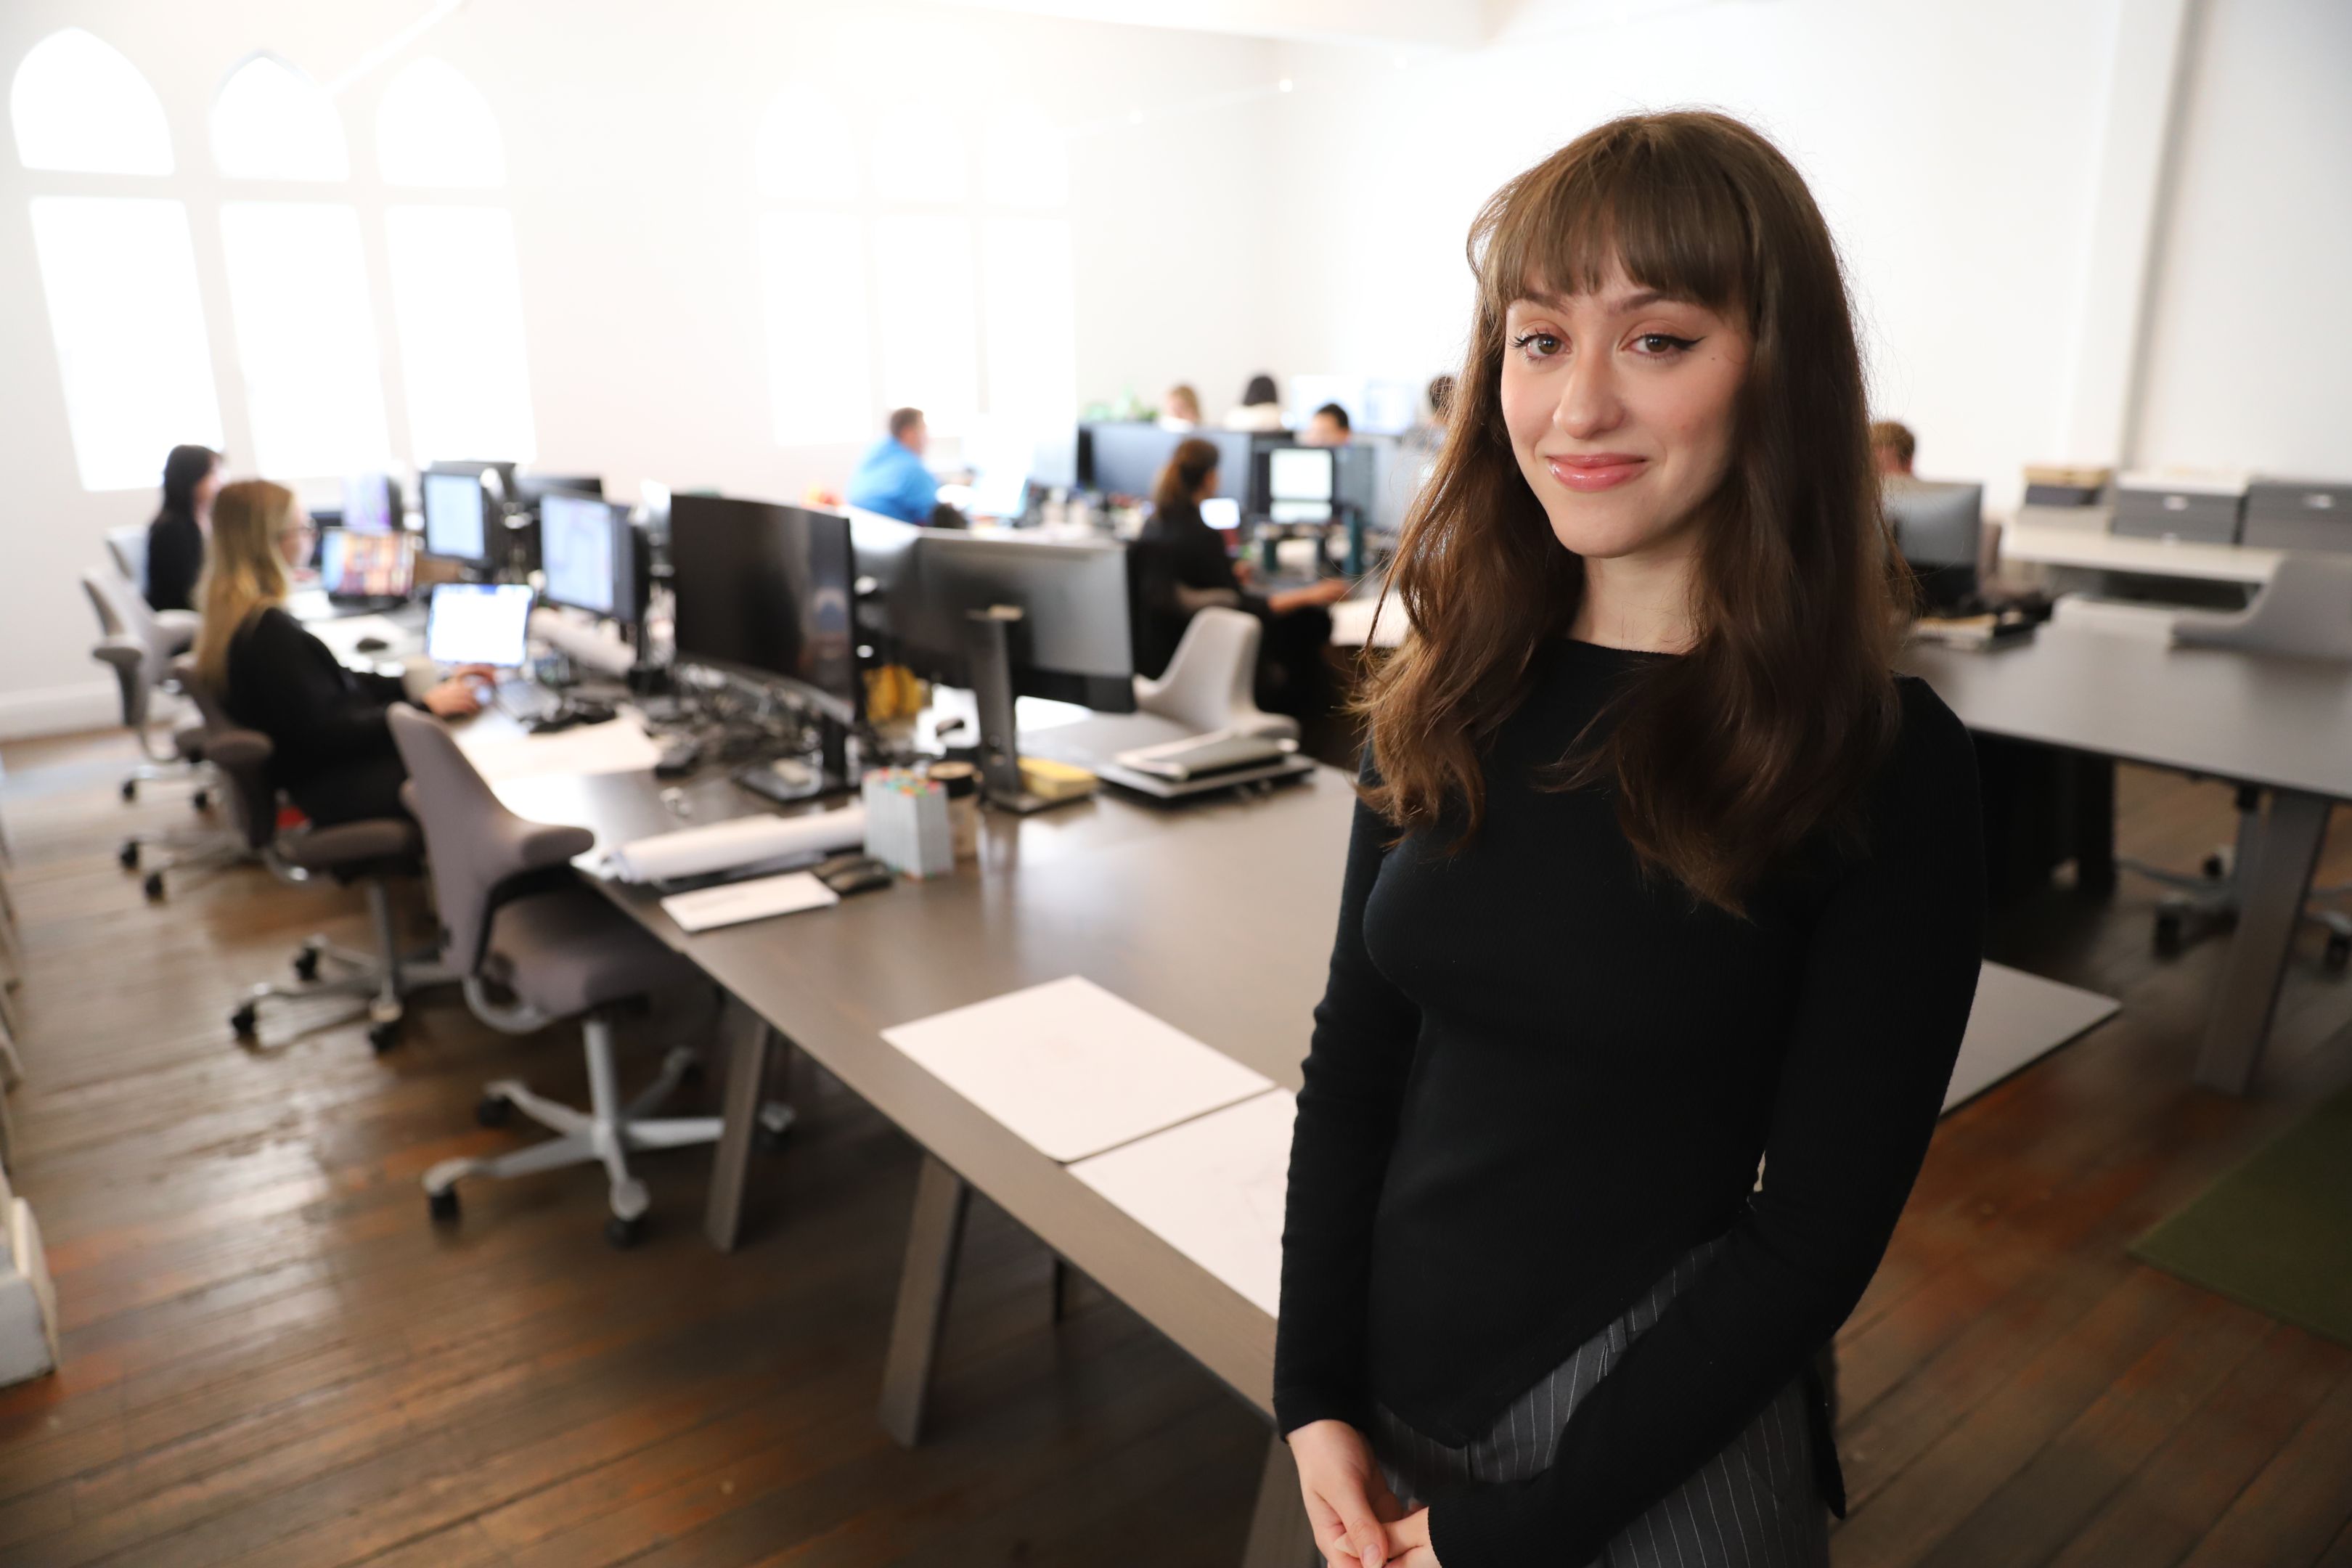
(371, 645)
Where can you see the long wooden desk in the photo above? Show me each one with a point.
(2283, 725)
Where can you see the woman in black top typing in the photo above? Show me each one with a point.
(1660, 874)
(332, 750)
(1181, 566)
(175, 538)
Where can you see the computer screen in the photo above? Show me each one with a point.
(765, 591)
(479, 622)
(1223, 513)
(457, 517)
(364, 565)
(1071, 643)
(587, 556)
(1124, 458)
(371, 503)
(534, 486)
(1299, 483)
(1939, 527)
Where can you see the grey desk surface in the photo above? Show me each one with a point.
(2280, 722)
(1216, 917)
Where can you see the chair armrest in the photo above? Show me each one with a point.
(238, 751)
(128, 660)
(544, 844)
(121, 652)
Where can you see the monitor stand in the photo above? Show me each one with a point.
(987, 650)
(786, 780)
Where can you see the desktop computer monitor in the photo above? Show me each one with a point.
(480, 623)
(591, 557)
(1071, 643)
(457, 516)
(1301, 482)
(372, 504)
(1938, 525)
(765, 591)
(497, 476)
(1124, 458)
(364, 565)
(532, 487)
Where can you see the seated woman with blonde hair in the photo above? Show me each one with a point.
(333, 754)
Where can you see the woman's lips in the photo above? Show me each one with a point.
(1599, 471)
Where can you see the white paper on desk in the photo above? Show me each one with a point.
(1213, 1188)
(617, 746)
(743, 841)
(707, 909)
(1072, 1068)
(345, 633)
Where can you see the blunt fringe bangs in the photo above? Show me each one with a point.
(1770, 728)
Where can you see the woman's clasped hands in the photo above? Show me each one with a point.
(1358, 1522)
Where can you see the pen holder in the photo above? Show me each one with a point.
(907, 825)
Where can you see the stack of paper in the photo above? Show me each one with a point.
(709, 908)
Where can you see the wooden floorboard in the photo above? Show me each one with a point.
(273, 1359)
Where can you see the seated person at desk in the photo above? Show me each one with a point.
(891, 478)
(175, 539)
(334, 753)
(1328, 427)
(1180, 565)
(1183, 412)
(1429, 435)
(1893, 446)
(1259, 410)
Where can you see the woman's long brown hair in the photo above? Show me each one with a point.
(1770, 726)
(1180, 477)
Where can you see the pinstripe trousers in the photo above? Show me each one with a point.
(1754, 1505)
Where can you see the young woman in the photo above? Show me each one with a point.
(1660, 873)
(334, 754)
(175, 538)
(1260, 407)
(1180, 567)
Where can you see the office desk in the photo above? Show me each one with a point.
(2283, 725)
(1216, 918)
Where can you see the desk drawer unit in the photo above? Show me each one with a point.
(2300, 515)
(2201, 514)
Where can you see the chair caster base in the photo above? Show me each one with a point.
(153, 887)
(306, 964)
(244, 1024)
(625, 1234)
(382, 1037)
(128, 856)
(770, 1131)
(493, 1111)
(443, 1206)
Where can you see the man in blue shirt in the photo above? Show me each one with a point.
(891, 478)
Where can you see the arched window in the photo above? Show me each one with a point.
(119, 271)
(297, 280)
(456, 284)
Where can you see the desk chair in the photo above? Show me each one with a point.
(2304, 612)
(368, 852)
(126, 547)
(1209, 680)
(534, 946)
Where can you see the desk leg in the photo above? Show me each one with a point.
(2094, 825)
(748, 1053)
(933, 1237)
(1279, 1535)
(2270, 908)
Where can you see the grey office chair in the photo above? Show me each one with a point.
(1209, 680)
(368, 853)
(2305, 611)
(534, 946)
(128, 549)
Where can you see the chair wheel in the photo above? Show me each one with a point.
(306, 964)
(2340, 952)
(153, 887)
(130, 789)
(128, 856)
(768, 1139)
(691, 1074)
(2168, 934)
(493, 1111)
(202, 800)
(625, 1233)
(442, 1204)
(381, 1038)
(2214, 869)
(243, 1022)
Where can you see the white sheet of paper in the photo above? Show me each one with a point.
(2018, 1018)
(1074, 1069)
(617, 746)
(1213, 1189)
(709, 908)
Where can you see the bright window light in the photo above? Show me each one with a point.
(433, 127)
(812, 274)
(305, 338)
(272, 122)
(806, 150)
(923, 277)
(121, 277)
(456, 293)
(1024, 161)
(918, 154)
(78, 104)
(1032, 341)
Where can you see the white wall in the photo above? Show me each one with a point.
(629, 133)
(2250, 350)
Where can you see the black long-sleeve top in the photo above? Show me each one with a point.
(1178, 557)
(318, 715)
(1537, 1079)
(175, 559)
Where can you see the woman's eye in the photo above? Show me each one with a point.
(1537, 345)
(1658, 344)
